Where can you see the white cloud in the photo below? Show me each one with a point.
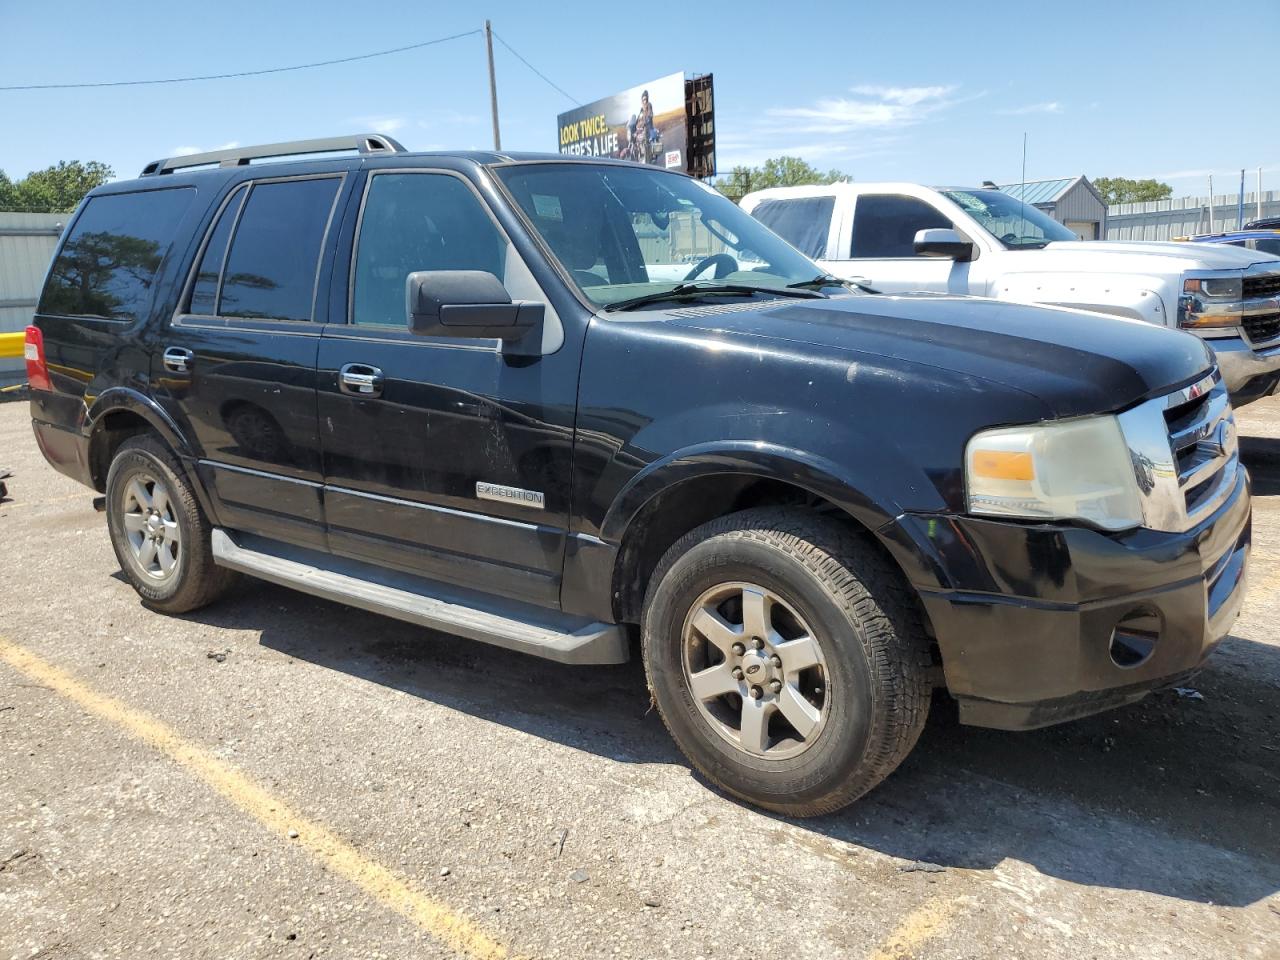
(1049, 106)
(871, 107)
(1233, 176)
(383, 125)
(188, 151)
(866, 121)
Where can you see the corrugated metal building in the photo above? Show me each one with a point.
(1072, 201)
(1187, 216)
(27, 241)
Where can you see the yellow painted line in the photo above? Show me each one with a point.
(12, 344)
(451, 929)
(919, 926)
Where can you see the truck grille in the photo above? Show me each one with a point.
(1262, 328)
(1267, 285)
(1202, 438)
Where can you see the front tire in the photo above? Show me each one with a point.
(160, 534)
(786, 658)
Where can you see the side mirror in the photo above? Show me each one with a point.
(466, 303)
(944, 243)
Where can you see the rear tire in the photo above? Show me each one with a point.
(799, 727)
(161, 536)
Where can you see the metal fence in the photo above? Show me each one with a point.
(1186, 216)
(27, 241)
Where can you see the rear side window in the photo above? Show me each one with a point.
(1267, 245)
(803, 222)
(204, 293)
(109, 263)
(270, 270)
(886, 226)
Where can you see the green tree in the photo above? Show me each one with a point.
(55, 189)
(775, 172)
(1124, 190)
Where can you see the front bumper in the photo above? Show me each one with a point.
(1248, 373)
(1026, 615)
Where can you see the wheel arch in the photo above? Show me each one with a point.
(699, 485)
(118, 414)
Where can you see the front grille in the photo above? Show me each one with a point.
(1202, 438)
(1262, 327)
(1267, 285)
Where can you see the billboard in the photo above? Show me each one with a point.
(649, 123)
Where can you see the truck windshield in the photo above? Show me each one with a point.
(627, 232)
(1017, 225)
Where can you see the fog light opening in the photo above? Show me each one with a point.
(1134, 638)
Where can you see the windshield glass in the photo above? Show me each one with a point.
(626, 232)
(1018, 225)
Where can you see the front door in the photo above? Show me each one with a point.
(445, 457)
(880, 250)
(236, 367)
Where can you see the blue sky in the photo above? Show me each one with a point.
(939, 92)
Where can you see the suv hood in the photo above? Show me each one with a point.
(1115, 256)
(1076, 363)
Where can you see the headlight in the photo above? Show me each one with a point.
(1073, 470)
(1221, 288)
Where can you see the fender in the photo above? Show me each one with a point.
(816, 474)
(115, 399)
(1134, 296)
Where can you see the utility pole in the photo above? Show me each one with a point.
(493, 86)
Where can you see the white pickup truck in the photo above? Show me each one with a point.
(903, 237)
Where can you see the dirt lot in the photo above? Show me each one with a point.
(284, 777)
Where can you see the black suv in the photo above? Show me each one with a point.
(540, 401)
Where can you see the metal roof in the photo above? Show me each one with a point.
(1039, 191)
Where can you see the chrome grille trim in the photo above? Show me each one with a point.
(1185, 453)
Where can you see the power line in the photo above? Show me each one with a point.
(256, 73)
(536, 70)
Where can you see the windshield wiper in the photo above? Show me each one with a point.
(829, 280)
(698, 289)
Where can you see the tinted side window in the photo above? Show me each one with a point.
(1267, 245)
(885, 226)
(418, 221)
(108, 265)
(204, 293)
(271, 267)
(804, 222)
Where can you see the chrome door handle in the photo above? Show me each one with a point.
(360, 379)
(178, 359)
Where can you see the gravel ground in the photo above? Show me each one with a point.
(545, 805)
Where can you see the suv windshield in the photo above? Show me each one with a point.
(1017, 225)
(626, 232)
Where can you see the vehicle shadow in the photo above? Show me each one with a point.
(1176, 795)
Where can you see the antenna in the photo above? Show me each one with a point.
(1022, 187)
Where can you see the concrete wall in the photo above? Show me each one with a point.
(27, 242)
(1185, 216)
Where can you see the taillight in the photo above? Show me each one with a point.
(37, 368)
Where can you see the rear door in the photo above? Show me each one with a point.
(880, 251)
(807, 223)
(237, 364)
(454, 461)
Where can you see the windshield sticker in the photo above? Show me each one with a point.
(547, 206)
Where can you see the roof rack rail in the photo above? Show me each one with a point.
(242, 156)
